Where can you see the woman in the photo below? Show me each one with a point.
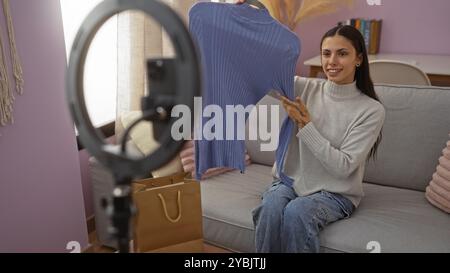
(339, 128)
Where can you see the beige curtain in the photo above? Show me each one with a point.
(140, 38)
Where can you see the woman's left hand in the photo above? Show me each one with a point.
(296, 110)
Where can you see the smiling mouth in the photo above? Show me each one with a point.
(334, 70)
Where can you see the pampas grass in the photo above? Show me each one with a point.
(292, 12)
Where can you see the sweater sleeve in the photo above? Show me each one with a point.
(353, 151)
(299, 87)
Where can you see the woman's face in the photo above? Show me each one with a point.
(339, 59)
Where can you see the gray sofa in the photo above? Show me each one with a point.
(394, 215)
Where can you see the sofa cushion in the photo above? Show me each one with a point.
(415, 130)
(399, 219)
(227, 203)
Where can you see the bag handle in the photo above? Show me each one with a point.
(163, 202)
(149, 183)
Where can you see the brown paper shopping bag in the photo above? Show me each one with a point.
(169, 215)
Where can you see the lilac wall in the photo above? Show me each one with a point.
(41, 201)
(409, 26)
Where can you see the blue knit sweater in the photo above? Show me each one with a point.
(245, 54)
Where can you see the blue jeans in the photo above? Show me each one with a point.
(285, 222)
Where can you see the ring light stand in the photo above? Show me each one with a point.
(174, 81)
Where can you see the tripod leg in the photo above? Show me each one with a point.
(121, 212)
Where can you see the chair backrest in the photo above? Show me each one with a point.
(396, 72)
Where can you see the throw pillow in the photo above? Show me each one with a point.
(438, 192)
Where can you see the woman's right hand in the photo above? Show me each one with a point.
(240, 2)
(296, 110)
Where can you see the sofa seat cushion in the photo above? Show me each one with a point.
(227, 203)
(400, 220)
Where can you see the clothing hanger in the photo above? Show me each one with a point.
(256, 3)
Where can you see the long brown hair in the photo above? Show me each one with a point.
(362, 75)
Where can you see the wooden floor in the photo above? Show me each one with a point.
(213, 249)
(96, 247)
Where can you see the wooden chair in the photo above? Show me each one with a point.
(396, 72)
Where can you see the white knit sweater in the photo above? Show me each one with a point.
(331, 151)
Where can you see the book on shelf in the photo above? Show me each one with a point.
(370, 30)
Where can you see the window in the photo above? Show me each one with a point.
(101, 64)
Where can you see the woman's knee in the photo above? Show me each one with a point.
(269, 211)
(273, 203)
(299, 211)
(279, 191)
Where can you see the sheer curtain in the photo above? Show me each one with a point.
(140, 38)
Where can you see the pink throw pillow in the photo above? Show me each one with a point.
(187, 156)
(437, 200)
(438, 192)
(446, 151)
(444, 183)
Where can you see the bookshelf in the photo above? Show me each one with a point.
(370, 30)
